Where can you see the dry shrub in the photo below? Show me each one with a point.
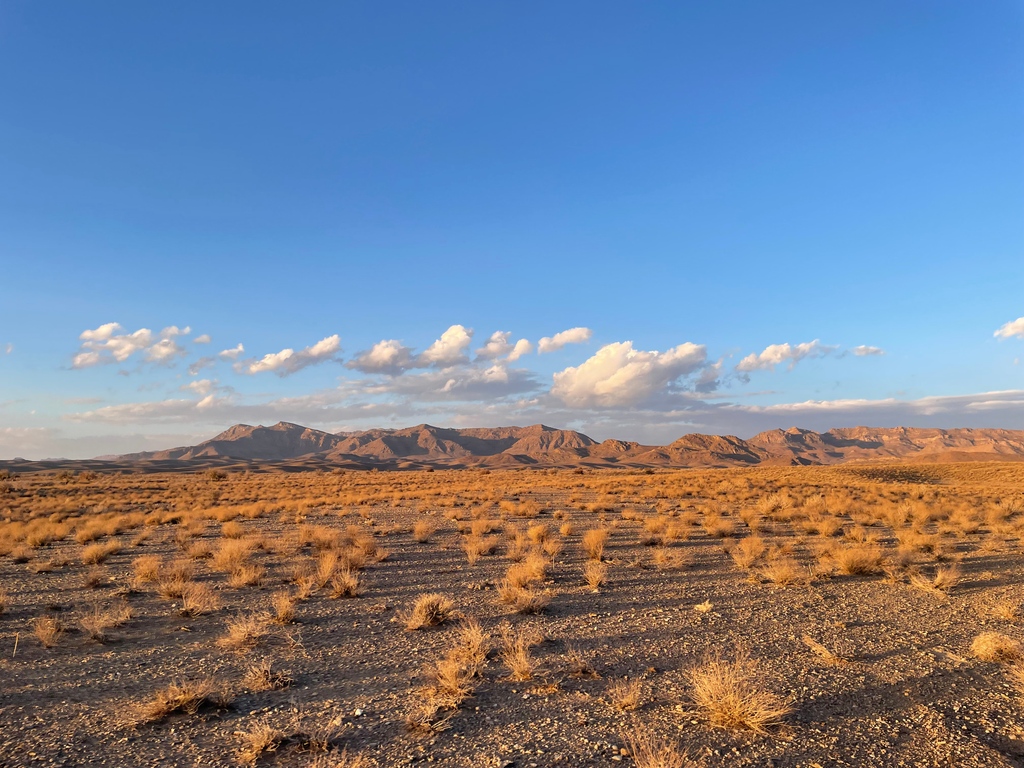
(719, 527)
(522, 600)
(423, 529)
(197, 599)
(231, 554)
(626, 695)
(146, 569)
(245, 631)
(476, 547)
(651, 751)
(261, 676)
(594, 542)
(283, 604)
(98, 620)
(5, 600)
(667, 559)
(595, 572)
(248, 575)
(943, 580)
(232, 530)
(94, 554)
(729, 695)
(94, 577)
(784, 571)
(748, 551)
(429, 610)
(515, 651)
(345, 583)
(186, 697)
(48, 630)
(861, 560)
(995, 646)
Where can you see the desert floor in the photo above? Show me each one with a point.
(842, 616)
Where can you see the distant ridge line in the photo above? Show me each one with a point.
(539, 445)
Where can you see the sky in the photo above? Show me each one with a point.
(636, 220)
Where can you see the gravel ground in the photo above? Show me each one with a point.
(906, 692)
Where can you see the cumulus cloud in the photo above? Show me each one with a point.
(204, 339)
(500, 346)
(559, 340)
(619, 375)
(288, 361)
(774, 354)
(389, 356)
(1011, 329)
(109, 343)
(232, 354)
(865, 351)
(450, 349)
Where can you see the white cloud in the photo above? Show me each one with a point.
(450, 349)
(559, 340)
(522, 347)
(499, 346)
(109, 344)
(618, 375)
(865, 351)
(200, 364)
(778, 353)
(232, 354)
(204, 339)
(388, 356)
(8, 348)
(288, 361)
(1011, 329)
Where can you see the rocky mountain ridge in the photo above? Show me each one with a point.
(427, 445)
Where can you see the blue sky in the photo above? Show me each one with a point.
(693, 185)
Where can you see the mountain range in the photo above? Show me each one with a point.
(539, 445)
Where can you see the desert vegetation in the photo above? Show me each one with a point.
(849, 615)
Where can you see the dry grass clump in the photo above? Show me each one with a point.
(595, 573)
(476, 547)
(186, 697)
(728, 693)
(94, 554)
(146, 569)
(784, 571)
(594, 542)
(995, 646)
(860, 560)
(943, 580)
(450, 680)
(344, 583)
(245, 631)
(821, 651)
(98, 620)
(261, 676)
(515, 651)
(5, 600)
(422, 530)
(48, 630)
(283, 604)
(718, 527)
(521, 599)
(626, 695)
(197, 599)
(651, 751)
(748, 551)
(579, 665)
(429, 610)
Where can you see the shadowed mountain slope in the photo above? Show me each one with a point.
(426, 445)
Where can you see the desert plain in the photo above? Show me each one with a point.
(858, 614)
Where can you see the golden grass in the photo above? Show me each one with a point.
(728, 693)
(626, 695)
(651, 751)
(594, 542)
(995, 646)
(184, 697)
(429, 610)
